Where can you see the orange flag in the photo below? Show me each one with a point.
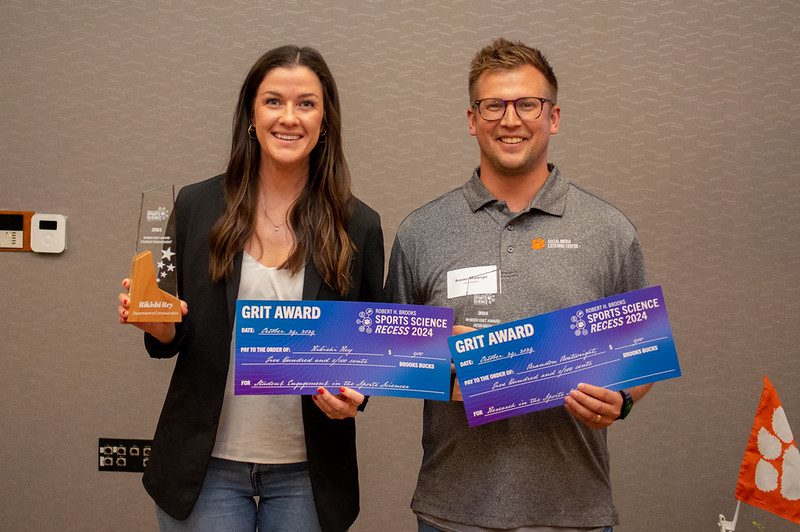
(770, 474)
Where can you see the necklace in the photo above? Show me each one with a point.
(276, 226)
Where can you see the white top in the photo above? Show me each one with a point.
(262, 429)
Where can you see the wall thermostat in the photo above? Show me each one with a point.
(48, 233)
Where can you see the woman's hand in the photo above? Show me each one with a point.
(340, 406)
(163, 332)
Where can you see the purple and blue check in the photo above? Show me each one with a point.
(295, 347)
(532, 364)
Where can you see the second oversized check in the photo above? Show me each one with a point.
(295, 347)
(533, 363)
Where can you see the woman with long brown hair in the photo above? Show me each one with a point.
(280, 224)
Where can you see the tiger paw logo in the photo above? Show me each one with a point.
(538, 243)
(769, 477)
(365, 321)
(779, 465)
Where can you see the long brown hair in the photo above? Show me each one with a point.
(319, 216)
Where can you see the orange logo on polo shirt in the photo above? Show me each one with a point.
(538, 243)
(553, 243)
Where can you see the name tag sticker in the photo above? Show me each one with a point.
(470, 281)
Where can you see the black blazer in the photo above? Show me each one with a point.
(187, 427)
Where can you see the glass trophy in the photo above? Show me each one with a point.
(154, 279)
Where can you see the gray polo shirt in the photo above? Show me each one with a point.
(467, 251)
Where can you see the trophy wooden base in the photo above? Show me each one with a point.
(148, 303)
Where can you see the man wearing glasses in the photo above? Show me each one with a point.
(516, 240)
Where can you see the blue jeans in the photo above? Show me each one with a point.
(422, 526)
(227, 500)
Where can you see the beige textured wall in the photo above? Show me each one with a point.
(684, 114)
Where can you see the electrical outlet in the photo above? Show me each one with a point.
(123, 455)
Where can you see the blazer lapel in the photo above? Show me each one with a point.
(311, 282)
(232, 288)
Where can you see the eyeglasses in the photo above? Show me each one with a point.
(527, 108)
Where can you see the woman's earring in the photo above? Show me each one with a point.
(251, 132)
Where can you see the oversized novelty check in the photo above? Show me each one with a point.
(532, 364)
(294, 347)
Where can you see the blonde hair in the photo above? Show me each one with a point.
(502, 54)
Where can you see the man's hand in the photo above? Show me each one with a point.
(598, 408)
(595, 407)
